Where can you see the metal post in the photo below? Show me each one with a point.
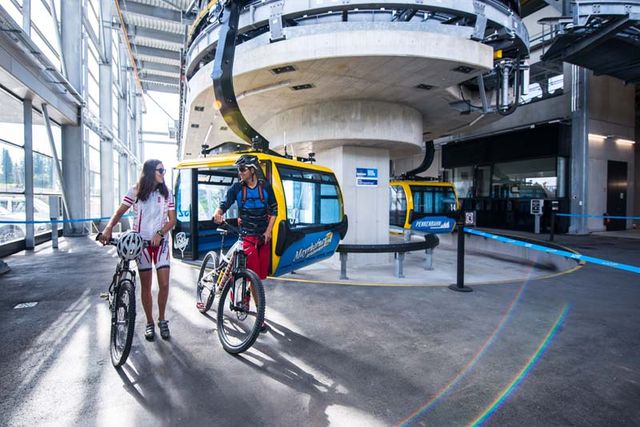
(428, 264)
(56, 159)
(579, 149)
(459, 285)
(537, 224)
(343, 266)
(28, 173)
(407, 235)
(54, 215)
(553, 225)
(399, 256)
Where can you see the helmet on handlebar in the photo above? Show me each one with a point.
(247, 161)
(130, 245)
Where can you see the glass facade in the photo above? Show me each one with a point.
(44, 30)
(501, 192)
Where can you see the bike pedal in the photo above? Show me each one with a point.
(104, 295)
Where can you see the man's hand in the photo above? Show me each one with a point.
(267, 236)
(218, 216)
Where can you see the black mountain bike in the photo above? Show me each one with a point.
(227, 274)
(122, 304)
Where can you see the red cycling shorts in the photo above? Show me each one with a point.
(258, 255)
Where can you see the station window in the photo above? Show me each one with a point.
(312, 197)
(525, 179)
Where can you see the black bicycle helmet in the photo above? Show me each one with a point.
(248, 161)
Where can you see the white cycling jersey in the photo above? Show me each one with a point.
(149, 215)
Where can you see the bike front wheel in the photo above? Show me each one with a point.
(123, 320)
(241, 311)
(205, 287)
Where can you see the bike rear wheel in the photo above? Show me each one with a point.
(241, 315)
(205, 287)
(123, 321)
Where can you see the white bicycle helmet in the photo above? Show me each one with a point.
(129, 245)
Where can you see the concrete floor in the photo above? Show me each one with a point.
(552, 351)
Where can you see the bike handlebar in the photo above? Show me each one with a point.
(114, 242)
(224, 225)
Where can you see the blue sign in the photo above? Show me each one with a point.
(312, 248)
(367, 177)
(433, 224)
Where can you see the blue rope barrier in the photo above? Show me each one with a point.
(106, 218)
(553, 251)
(599, 216)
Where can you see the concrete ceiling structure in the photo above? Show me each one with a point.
(406, 54)
(155, 32)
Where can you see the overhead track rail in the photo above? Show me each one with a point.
(603, 36)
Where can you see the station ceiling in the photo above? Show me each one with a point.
(155, 32)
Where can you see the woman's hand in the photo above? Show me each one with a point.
(155, 241)
(106, 235)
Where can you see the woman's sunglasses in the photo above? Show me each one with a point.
(161, 170)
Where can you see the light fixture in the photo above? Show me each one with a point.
(597, 136)
(626, 141)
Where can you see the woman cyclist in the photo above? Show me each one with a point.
(154, 216)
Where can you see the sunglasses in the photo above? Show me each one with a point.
(161, 170)
(242, 169)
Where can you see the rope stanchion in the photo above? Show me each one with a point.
(49, 221)
(598, 216)
(578, 257)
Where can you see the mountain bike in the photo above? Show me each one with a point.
(227, 274)
(122, 304)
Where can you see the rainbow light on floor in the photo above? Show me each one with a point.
(432, 403)
(523, 372)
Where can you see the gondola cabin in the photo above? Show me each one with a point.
(423, 206)
(309, 224)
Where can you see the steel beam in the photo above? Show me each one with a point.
(148, 78)
(106, 112)
(151, 11)
(598, 37)
(155, 66)
(26, 16)
(137, 31)
(154, 51)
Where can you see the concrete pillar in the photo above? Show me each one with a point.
(367, 206)
(73, 160)
(28, 172)
(579, 148)
(106, 115)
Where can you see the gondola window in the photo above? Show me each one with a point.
(433, 200)
(312, 197)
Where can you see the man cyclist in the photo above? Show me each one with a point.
(257, 208)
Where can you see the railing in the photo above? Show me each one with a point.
(399, 249)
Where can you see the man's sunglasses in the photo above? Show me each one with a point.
(161, 170)
(242, 169)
